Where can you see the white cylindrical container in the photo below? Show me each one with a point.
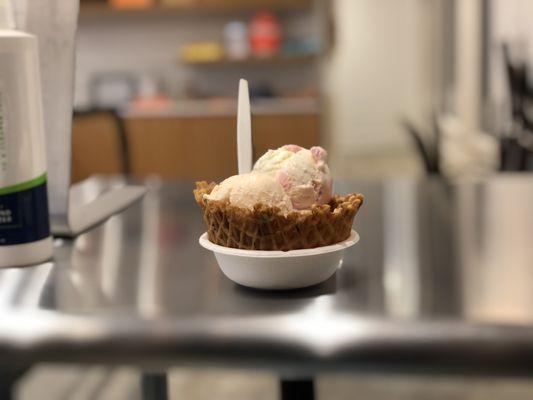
(24, 218)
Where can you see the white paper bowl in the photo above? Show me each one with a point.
(279, 269)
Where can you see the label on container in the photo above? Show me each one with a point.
(24, 212)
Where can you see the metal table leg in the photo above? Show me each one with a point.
(301, 389)
(154, 386)
(5, 389)
(8, 379)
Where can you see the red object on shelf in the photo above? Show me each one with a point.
(265, 34)
(131, 4)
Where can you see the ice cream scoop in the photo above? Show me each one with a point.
(247, 190)
(303, 173)
(290, 178)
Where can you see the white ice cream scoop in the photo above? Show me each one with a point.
(247, 190)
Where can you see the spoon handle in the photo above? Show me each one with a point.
(244, 129)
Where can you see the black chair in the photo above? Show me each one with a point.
(427, 149)
(517, 146)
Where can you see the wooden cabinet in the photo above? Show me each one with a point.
(206, 148)
(194, 148)
(97, 146)
(182, 148)
(271, 132)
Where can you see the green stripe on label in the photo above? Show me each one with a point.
(19, 187)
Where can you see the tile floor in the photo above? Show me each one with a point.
(98, 383)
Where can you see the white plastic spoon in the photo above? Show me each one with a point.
(244, 129)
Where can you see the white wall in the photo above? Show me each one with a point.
(468, 63)
(383, 67)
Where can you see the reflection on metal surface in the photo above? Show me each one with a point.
(148, 287)
(497, 250)
(22, 288)
(325, 332)
(98, 278)
(34, 287)
(440, 272)
(401, 274)
(111, 251)
(10, 285)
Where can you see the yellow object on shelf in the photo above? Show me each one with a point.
(202, 52)
(178, 3)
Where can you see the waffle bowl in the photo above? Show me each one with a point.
(263, 248)
(266, 228)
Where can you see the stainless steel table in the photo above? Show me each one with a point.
(441, 282)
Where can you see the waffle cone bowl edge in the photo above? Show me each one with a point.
(266, 228)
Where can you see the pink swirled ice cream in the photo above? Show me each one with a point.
(290, 178)
(303, 174)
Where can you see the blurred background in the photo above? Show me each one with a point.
(390, 87)
(400, 87)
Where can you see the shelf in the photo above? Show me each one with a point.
(228, 108)
(210, 7)
(255, 61)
